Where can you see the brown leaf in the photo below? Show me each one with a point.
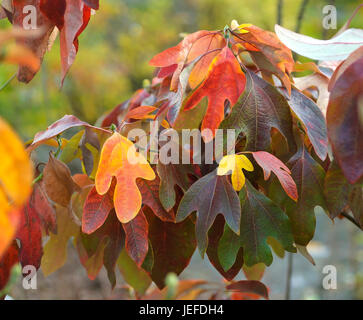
(58, 181)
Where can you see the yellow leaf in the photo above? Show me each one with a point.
(16, 174)
(235, 163)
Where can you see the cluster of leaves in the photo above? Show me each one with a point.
(149, 219)
(67, 17)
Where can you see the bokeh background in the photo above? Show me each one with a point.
(113, 62)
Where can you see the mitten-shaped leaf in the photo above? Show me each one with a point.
(120, 159)
(210, 196)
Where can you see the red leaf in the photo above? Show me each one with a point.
(96, 210)
(225, 81)
(67, 122)
(71, 17)
(345, 129)
(173, 245)
(268, 163)
(202, 44)
(30, 237)
(44, 209)
(250, 287)
(7, 261)
(137, 243)
(150, 197)
(38, 44)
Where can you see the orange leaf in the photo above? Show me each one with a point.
(273, 57)
(225, 80)
(120, 159)
(16, 174)
(198, 44)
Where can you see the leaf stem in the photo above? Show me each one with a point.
(8, 82)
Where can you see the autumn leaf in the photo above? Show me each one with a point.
(30, 236)
(150, 197)
(313, 120)
(202, 44)
(250, 287)
(120, 159)
(55, 250)
(254, 272)
(36, 216)
(260, 219)
(271, 56)
(269, 163)
(353, 57)
(345, 128)
(16, 174)
(336, 190)
(309, 178)
(58, 181)
(96, 210)
(214, 235)
(209, 196)
(61, 125)
(235, 163)
(71, 17)
(136, 242)
(9, 259)
(132, 274)
(102, 248)
(224, 81)
(172, 175)
(37, 45)
(259, 109)
(173, 246)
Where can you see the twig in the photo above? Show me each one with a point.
(280, 5)
(300, 17)
(289, 276)
(7, 82)
(351, 219)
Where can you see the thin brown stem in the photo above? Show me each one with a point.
(289, 276)
(280, 6)
(351, 219)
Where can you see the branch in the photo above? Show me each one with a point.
(300, 17)
(351, 219)
(288, 276)
(280, 5)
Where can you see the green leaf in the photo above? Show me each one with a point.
(209, 196)
(355, 202)
(336, 190)
(172, 175)
(309, 178)
(132, 274)
(214, 235)
(260, 219)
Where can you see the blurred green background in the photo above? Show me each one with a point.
(120, 40)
